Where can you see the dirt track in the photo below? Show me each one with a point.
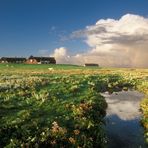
(122, 120)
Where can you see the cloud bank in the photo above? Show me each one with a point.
(61, 55)
(116, 43)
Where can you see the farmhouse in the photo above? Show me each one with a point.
(90, 64)
(12, 60)
(41, 60)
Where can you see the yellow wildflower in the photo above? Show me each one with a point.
(72, 140)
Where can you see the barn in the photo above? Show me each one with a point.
(13, 60)
(41, 60)
(90, 64)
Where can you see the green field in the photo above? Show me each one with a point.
(62, 106)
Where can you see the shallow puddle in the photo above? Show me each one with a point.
(123, 120)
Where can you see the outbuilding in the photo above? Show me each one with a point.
(91, 64)
(13, 60)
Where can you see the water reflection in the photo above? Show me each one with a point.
(123, 120)
(124, 133)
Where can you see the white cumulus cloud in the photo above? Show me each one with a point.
(118, 43)
(61, 55)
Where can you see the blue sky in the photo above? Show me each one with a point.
(28, 26)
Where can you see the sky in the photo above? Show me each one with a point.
(111, 33)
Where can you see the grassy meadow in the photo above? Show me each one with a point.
(61, 105)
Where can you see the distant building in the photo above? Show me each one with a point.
(41, 60)
(90, 64)
(12, 60)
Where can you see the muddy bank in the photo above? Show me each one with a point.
(123, 120)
